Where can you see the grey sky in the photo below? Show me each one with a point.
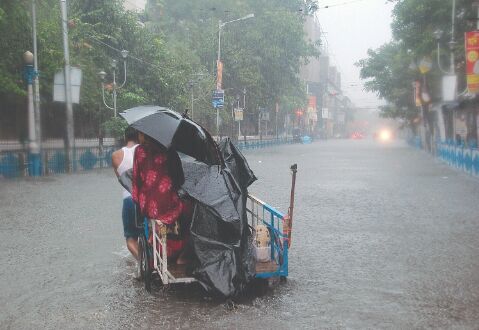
(351, 28)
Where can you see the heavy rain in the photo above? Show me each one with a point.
(293, 164)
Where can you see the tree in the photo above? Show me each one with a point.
(388, 69)
(263, 54)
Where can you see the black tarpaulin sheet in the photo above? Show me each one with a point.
(220, 236)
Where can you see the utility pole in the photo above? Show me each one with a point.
(36, 83)
(244, 111)
(70, 136)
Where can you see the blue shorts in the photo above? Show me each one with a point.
(128, 214)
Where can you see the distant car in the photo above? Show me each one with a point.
(357, 136)
(297, 135)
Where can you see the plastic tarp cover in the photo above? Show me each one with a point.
(222, 243)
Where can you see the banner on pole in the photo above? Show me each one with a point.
(219, 75)
(417, 93)
(472, 60)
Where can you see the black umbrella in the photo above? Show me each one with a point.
(174, 131)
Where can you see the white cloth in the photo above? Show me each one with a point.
(126, 164)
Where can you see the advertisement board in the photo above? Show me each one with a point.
(472, 60)
(219, 75)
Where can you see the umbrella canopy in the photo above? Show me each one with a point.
(172, 130)
(134, 114)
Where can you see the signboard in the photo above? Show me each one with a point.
(449, 88)
(218, 99)
(325, 113)
(238, 114)
(472, 60)
(219, 75)
(59, 85)
(264, 115)
(425, 64)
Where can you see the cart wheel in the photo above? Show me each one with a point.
(145, 267)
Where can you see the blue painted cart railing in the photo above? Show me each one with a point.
(261, 213)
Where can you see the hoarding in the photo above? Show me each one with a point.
(472, 60)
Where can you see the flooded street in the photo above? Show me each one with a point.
(384, 237)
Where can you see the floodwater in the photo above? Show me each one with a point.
(384, 237)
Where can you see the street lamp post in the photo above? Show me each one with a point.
(450, 77)
(244, 110)
(102, 75)
(191, 84)
(239, 121)
(33, 146)
(221, 25)
(70, 127)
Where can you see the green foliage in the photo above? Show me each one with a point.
(115, 127)
(262, 55)
(388, 68)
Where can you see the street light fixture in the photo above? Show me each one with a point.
(449, 79)
(191, 85)
(221, 25)
(102, 74)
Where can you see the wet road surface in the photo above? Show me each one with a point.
(384, 237)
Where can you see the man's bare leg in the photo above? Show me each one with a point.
(132, 244)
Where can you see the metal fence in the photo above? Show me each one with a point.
(460, 157)
(87, 155)
(252, 144)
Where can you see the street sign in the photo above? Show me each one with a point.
(264, 115)
(218, 99)
(325, 113)
(425, 64)
(238, 114)
(59, 85)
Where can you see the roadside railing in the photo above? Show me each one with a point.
(252, 144)
(87, 155)
(459, 157)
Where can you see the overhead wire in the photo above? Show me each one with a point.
(119, 51)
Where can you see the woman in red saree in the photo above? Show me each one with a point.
(155, 182)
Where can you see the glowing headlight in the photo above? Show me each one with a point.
(385, 135)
